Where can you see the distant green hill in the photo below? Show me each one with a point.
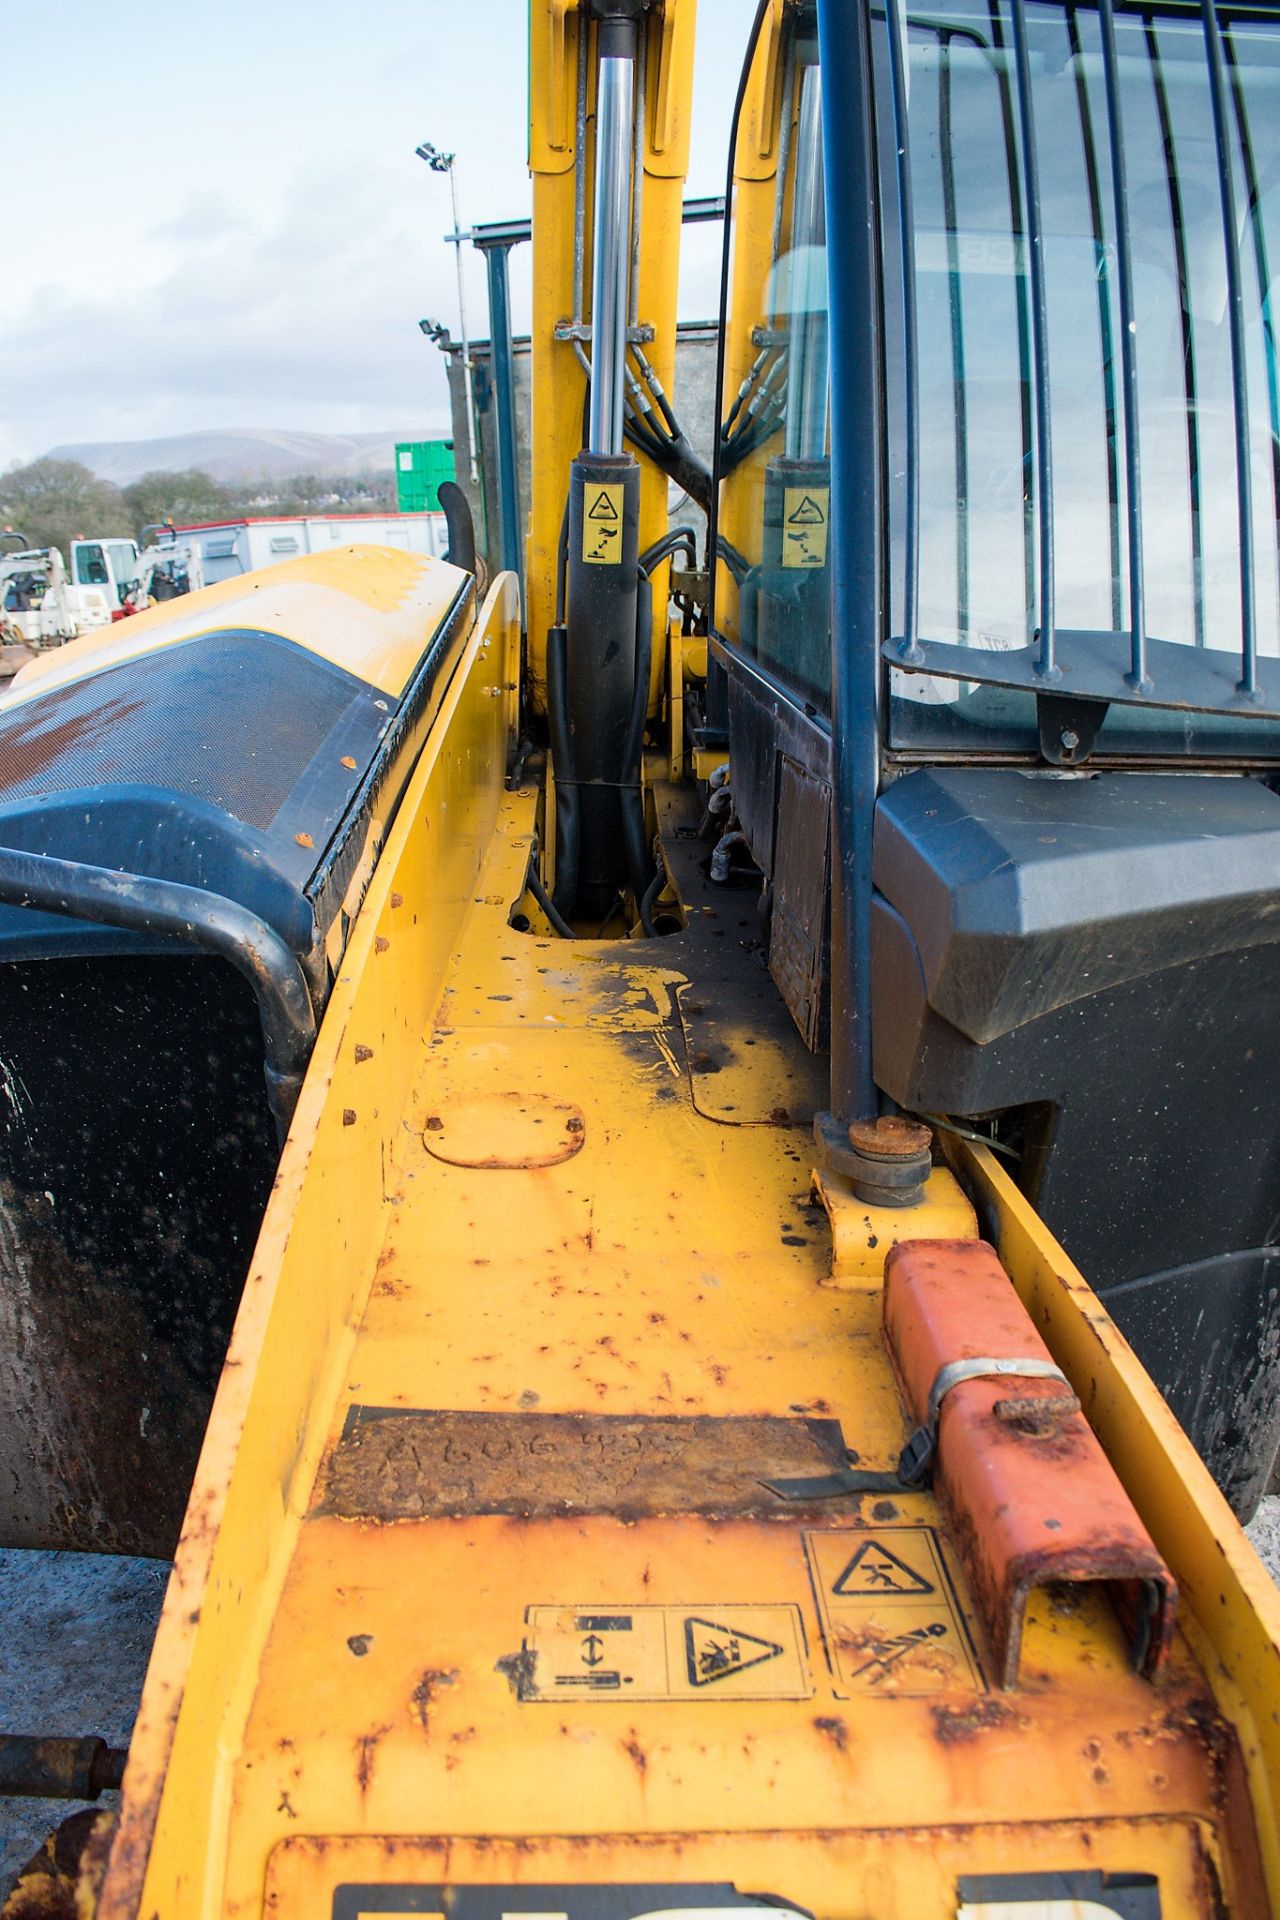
(235, 455)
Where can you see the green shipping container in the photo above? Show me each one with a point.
(420, 467)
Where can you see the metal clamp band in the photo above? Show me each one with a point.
(917, 1456)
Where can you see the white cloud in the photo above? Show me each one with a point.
(240, 236)
(307, 320)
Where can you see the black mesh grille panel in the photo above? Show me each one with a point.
(233, 718)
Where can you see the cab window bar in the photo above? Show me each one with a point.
(1075, 663)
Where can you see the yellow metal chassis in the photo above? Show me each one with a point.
(339, 1693)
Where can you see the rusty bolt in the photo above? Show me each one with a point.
(363, 1053)
(348, 1116)
(574, 1123)
(380, 943)
(892, 1137)
(397, 899)
(434, 1123)
(51, 1767)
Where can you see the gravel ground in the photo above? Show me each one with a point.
(1264, 1531)
(73, 1654)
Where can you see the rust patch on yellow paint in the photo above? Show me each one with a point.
(404, 1465)
(429, 1683)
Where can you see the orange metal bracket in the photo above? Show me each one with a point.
(1033, 1498)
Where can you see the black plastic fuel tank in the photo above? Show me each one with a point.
(1096, 960)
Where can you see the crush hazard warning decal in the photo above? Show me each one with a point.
(602, 524)
(661, 1653)
(714, 1652)
(890, 1614)
(805, 513)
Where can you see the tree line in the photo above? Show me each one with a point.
(52, 502)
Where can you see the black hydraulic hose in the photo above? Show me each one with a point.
(664, 440)
(677, 459)
(748, 610)
(630, 791)
(715, 547)
(568, 837)
(738, 565)
(634, 740)
(521, 761)
(206, 921)
(650, 901)
(749, 440)
(548, 905)
(568, 815)
(658, 393)
(677, 537)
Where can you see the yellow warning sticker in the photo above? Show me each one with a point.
(805, 513)
(602, 523)
(890, 1613)
(662, 1653)
(907, 1568)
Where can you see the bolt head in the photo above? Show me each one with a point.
(894, 1136)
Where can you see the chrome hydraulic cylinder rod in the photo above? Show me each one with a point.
(611, 262)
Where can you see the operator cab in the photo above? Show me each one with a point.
(1044, 781)
(110, 564)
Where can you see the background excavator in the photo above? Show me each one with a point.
(638, 1164)
(166, 568)
(39, 606)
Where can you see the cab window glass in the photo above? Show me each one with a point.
(91, 567)
(773, 594)
(979, 514)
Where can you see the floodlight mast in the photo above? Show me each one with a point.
(443, 163)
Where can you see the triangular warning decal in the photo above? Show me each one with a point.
(713, 1652)
(874, 1568)
(807, 514)
(602, 508)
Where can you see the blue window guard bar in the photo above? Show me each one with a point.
(1131, 668)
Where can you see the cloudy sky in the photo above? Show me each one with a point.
(221, 222)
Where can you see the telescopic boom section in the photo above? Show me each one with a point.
(600, 645)
(611, 85)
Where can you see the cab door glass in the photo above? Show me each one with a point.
(124, 565)
(773, 592)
